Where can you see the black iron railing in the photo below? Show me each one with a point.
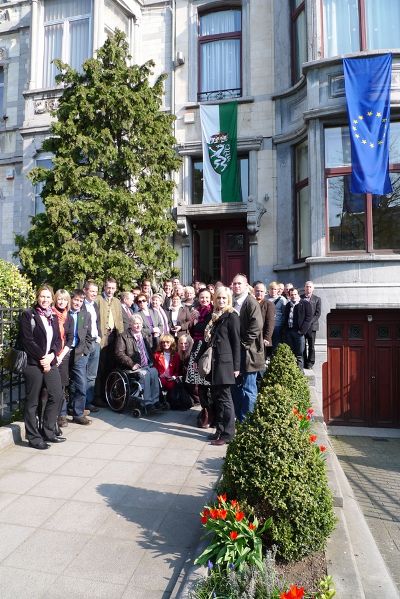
(221, 94)
(12, 387)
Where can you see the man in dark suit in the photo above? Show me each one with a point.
(89, 305)
(315, 303)
(252, 347)
(80, 350)
(298, 317)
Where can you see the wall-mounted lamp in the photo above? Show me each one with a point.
(180, 59)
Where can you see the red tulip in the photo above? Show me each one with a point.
(293, 593)
(239, 516)
(233, 534)
(313, 438)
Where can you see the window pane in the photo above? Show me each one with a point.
(383, 21)
(220, 66)
(302, 162)
(394, 143)
(341, 27)
(337, 147)
(304, 222)
(197, 182)
(346, 216)
(197, 179)
(55, 10)
(300, 44)
(52, 49)
(78, 43)
(223, 21)
(386, 217)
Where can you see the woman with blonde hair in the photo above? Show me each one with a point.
(62, 304)
(166, 361)
(223, 334)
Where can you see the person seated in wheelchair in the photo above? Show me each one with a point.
(133, 352)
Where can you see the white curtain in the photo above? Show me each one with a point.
(223, 21)
(383, 24)
(341, 27)
(220, 65)
(54, 10)
(78, 43)
(52, 49)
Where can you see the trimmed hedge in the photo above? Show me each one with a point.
(283, 370)
(272, 466)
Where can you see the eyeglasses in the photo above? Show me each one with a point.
(141, 301)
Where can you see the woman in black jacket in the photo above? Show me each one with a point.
(223, 333)
(40, 337)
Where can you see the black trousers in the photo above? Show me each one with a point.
(106, 364)
(309, 350)
(224, 411)
(35, 378)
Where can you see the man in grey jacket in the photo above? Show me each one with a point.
(252, 347)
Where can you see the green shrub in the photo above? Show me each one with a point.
(284, 371)
(15, 292)
(272, 466)
(15, 288)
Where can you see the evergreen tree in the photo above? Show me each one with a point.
(108, 198)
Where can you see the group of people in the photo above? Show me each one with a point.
(74, 340)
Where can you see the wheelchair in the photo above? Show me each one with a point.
(123, 389)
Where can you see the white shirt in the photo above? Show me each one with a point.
(92, 312)
(49, 333)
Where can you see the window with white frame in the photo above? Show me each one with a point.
(43, 162)
(302, 202)
(115, 18)
(67, 35)
(220, 50)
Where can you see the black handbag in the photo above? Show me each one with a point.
(16, 360)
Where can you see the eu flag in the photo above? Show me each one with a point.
(367, 84)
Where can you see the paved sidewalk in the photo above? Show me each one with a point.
(372, 467)
(111, 513)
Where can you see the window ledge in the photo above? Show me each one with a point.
(240, 100)
(354, 258)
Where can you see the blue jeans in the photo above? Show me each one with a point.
(91, 373)
(148, 378)
(78, 383)
(245, 395)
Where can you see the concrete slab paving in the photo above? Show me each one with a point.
(371, 464)
(110, 513)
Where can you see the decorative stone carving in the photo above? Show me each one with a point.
(43, 106)
(182, 226)
(3, 53)
(255, 211)
(4, 16)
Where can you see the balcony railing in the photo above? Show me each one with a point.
(220, 94)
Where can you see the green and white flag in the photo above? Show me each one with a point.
(220, 172)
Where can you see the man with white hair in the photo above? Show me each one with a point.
(315, 303)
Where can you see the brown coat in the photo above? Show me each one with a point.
(251, 335)
(268, 314)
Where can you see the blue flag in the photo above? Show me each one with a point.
(367, 84)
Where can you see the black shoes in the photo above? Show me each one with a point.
(214, 436)
(39, 445)
(81, 420)
(54, 439)
(93, 408)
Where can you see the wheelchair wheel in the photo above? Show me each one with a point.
(117, 390)
(136, 413)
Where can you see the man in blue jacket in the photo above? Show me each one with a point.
(80, 350)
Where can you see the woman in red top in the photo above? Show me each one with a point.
(166, 361)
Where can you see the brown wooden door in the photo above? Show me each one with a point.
(361, 375)
(220, 250)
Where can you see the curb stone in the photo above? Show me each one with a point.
(11, 434)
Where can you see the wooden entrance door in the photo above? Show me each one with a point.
(361, 376)
(220, 250)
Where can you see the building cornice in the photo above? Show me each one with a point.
(193, 148)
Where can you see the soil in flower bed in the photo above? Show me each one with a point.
(306, 573)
